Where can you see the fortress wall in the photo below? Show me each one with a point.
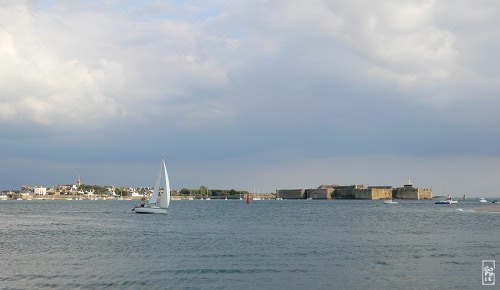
(291, 193)
(411, 193)
(363, 193)
(374, 193)
(425, 193)
(405, 193)
(381, 193)
(320, 193)
(346, 192)
(357, 192)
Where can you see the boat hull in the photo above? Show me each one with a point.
(390, 202)
(447, 202)
(149, 210)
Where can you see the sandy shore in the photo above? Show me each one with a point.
(489, 208)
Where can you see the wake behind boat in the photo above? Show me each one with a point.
(155, 205)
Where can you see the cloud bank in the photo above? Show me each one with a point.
(226, 84)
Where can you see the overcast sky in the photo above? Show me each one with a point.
(251, 94)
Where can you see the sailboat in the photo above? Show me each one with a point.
(155, 204)
(256, 197)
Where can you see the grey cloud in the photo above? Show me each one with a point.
(230, 84)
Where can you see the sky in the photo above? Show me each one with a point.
(248, 95)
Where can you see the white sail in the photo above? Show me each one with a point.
(165, 198)
(154, 196)
(154, 205)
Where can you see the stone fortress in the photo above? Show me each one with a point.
(357, 192)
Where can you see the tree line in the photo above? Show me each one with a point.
(205, 191)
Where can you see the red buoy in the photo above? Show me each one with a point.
(248, 198)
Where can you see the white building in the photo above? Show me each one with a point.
(38, 190)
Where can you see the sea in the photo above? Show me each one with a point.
(228, 244)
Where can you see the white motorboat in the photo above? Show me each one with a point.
(482, 199)
(390, 201)
(449, 200)
(155, 205)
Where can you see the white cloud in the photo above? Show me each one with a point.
(254, 78)
(42, 80)
(75, 63)
(72, 65)
(399, 40)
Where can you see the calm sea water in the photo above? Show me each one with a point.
(231, 245)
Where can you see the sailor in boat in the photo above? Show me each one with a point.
(142, 204)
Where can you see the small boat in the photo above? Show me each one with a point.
(154, 204)
(482, 199)
(256, 197)
(449, 200)
(390, 201)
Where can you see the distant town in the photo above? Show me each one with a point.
(79, 191)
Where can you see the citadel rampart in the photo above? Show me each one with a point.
(320, 193)
(291, 193)
(357, 192)
(407, 192)
(374, 193)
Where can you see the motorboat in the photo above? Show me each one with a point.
(447, 201)
(482, 199)
(390, 201)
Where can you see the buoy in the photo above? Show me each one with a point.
(248, 198)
